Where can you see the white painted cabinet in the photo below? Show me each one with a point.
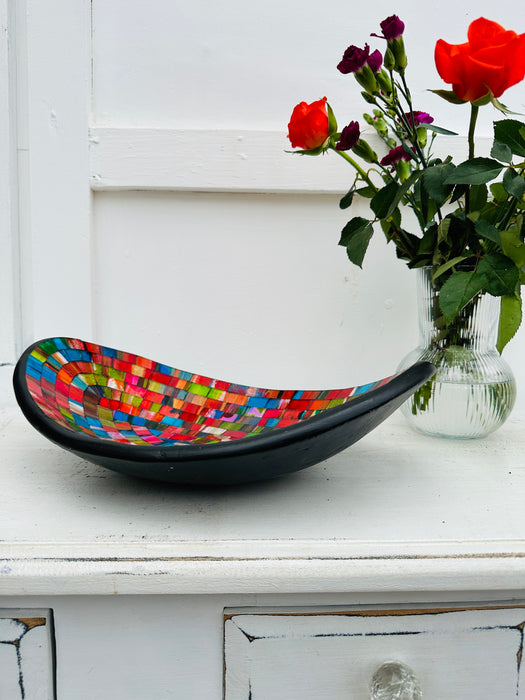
(470, 653)
(27, 654)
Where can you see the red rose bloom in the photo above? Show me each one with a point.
(492, 59)
(308, 127)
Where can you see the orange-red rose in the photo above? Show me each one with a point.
(308, 127)
(492, 59)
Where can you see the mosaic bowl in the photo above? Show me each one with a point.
(145, 419)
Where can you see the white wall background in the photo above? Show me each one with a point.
(191, 236)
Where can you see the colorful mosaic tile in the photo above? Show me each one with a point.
(118, 396)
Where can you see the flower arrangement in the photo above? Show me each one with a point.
(470, 214)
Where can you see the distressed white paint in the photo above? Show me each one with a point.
(165, 646)
(124, 648)
(26, 654)
(469, 654)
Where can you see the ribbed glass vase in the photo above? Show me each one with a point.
(474, 389)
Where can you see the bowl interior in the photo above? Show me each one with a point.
(115, 395)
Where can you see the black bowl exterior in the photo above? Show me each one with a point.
(257, 465)
(270, 453)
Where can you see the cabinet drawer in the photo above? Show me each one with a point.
(27, 654)
(469, 653)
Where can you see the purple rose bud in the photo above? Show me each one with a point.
(394, 155)
(353, 59)
(349, 137)
(419, 118)
(392, 27)
(375, 61)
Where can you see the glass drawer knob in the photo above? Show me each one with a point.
(394, 681)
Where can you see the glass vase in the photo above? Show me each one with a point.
(474, 389)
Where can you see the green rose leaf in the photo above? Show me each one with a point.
(476, 171)
(449, 96)
(509, 320)
(513, 183)
(498, 192)
(478, 197)
(500, 106)
(508, 132)
(367, 191)
(332, 122)
(311, 151)
(407, 184)
(355, 237)
(500, 151)
(448, 265)
(433, 181)
(438, 129)
(457, 291)
(488, 231)
(346, 201)
(385, 202)
(382, 201)
(458, 192)
(513, 247)
(427, 244)
(443, 229)
(500, 274)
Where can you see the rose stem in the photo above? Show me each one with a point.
(474, 109)
(359, 169)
